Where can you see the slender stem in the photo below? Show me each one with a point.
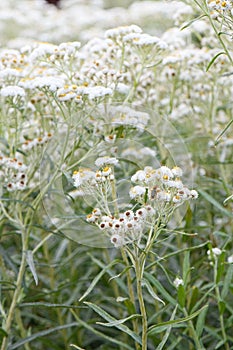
(139, 275)
(226, 345)
(17, 291)
(131, 294)
(198, 345)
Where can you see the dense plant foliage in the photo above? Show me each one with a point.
(116, 176)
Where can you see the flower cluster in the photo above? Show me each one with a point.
(128, 227)
(30, 144)
(13, 174)
(220, 5)
(159, 193)
(162, 188)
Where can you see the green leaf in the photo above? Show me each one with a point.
(215, 203)
(41, 304)
(222, 306)
(186, 266)
(102, 335)
(148, 286)
(160, 288)
(97, 278)
(118, 322)
(179, 320)
(193, 298)
(201, 322)
(214, 59)
(76, 347)
(223, 132)
(227, 281)
(41, 334)
(121, 273)
(30, 261)
(3, 333)
(111, 319)
(221, 266)
(168, 331)
(181, 295)
(192, 21)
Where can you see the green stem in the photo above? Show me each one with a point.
(221, 318)
(198, 345)
(17, 291)
(131, 294)
(139, 275)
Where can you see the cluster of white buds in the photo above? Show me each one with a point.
(39, 141)
(159, 192)
(160, 187)
(86, 178)
(128, 227)
(220, 5)
(12, 174)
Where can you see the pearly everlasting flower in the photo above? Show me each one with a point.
(82, 176)
(230, 259)
(121, 31)
(137, 191)
(106, 171)
(142, 213)
(194, 194)
(177, 171)
(178, 282)
(12, 91)
(106, 161)
(97, 92)
(129, 214)
(215, 251)
(117, 240)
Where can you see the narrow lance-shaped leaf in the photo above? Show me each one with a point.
(214, 59)
(227, 281)
(166, 335)
(30, 261)
(201, 321)
(40, 334)
(113, 322)
(102, 335)
(96, 279)
(151, 291)
(215, 203)
(179, 320)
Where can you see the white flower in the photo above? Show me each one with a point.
(216, 251)
(177, 171)
(117, 240)
(129, 214)
(105, 161)
(107, 171)
(12, 90)
(230, 259)
(97, 91)
(140, 175)
(82, 176)
(121, 31)
(141, 213)
(193, 194)
(53, 83)
(137, 191)
(178, 282)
